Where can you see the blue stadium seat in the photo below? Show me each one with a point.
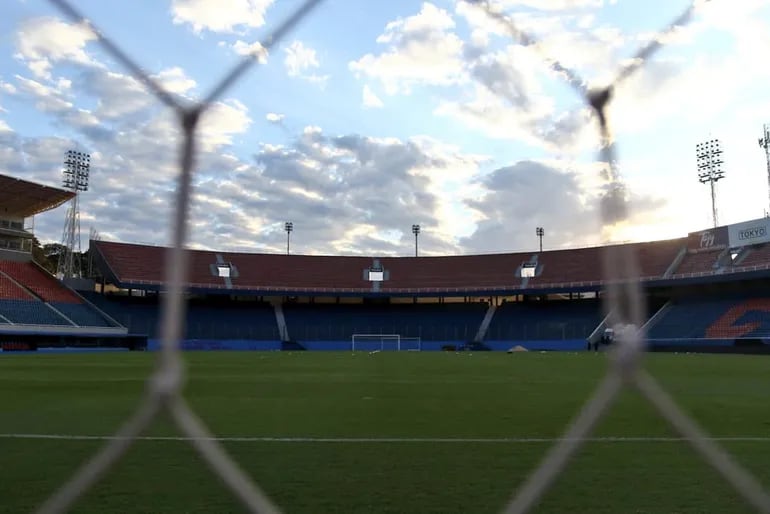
(544, 320)
(29, 312)
(430, 322)
(82, 314)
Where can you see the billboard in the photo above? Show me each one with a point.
(707, 239)
(749, 232)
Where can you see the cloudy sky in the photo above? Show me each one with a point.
(372, 116)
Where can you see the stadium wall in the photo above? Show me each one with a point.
(345, 345)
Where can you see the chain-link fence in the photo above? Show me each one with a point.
(624, 301)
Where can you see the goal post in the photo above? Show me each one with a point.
(384, 343)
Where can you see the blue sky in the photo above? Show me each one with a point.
(372, 116)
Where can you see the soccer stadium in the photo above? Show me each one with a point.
(188, 358)
(325, 333)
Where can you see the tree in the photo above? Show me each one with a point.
(44, 255)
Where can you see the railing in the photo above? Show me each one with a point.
(443, 289)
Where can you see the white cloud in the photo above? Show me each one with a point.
(255, 49)
(370, 100)
(273, 117)
(220, 122)
(175, 80)
(421, 50)
(47, 98)
(40, 42)
(4, 127)
(301, 58)
(117, 94)
(509, 100)
(218, 16)
(553, 5)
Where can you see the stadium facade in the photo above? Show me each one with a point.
(705, 292)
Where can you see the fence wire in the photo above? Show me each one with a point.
(623, 303)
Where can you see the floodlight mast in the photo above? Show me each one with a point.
(540, 233)
(416, 232)
(75, 177)
(288, 227)
(709, 158)
(764, 142)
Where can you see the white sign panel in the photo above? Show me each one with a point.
(749, 232)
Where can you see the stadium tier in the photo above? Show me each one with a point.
(31, 297)
(753, 256)
(214, 319)
(430, 324)
(714, 318)
(141, 267)
(700, 262)
(538, 300)
(564, 324)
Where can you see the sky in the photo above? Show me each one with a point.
(373, 116)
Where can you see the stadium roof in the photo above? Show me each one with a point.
(22, 198)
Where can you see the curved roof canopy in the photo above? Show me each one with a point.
(22, 198)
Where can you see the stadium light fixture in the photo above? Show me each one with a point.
(540, 233)
(75, 177)
(764, 142)
(288, 227)
(416, 232)
(709, 158)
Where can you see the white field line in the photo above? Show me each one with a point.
(498, 440)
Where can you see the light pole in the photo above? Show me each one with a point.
(416, 232)
(764, 142)
(75, 177)
(540, 233)
(288, 227)
(710, 171)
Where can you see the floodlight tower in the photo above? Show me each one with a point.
(540, 233)
(764, 142)
(709, 155)
(75, 176)
(416, 232)
(288, 227)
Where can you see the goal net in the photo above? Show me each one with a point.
(384, 342)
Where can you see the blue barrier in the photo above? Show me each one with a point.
(559, 345)
(652, 343)
(220, 344)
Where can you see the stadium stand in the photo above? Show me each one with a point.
(584, 265)
(446, 322)
(754, 256)
(217, 319)
(140, 266)
(30, 312)
(36, 309)
(714, 318)
(703, 261)
(656, 257)
(42, 291)
(10, 290)
(38, 281)
(545, 320)
(327, 299)
(493, 271)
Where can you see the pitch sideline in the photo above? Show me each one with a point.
(267, 439)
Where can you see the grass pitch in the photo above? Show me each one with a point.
(411, 399)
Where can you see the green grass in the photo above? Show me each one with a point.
(405, 395)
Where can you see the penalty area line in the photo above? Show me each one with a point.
(497, 440)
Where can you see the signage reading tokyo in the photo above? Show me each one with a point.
(752, 233)
(749, 232)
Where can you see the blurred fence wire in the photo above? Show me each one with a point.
(624, 302)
